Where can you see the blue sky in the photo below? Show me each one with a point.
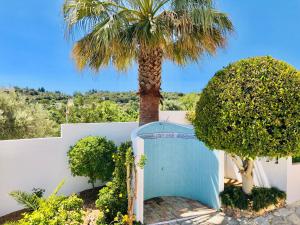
(34, 52)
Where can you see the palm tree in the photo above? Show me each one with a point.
(121, 32)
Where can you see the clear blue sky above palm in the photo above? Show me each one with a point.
(34, 52)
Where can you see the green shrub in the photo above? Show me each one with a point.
(28, 200)
(251, 109)
(234, 197)
(263, 197)
(296, 159)
(92, 157)
(12, 223)
(120, 173)
(112, 199)
(260, 197)
(58, 210)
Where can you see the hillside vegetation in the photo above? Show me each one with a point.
(88, 107)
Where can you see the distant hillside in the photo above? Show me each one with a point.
(51, 98)
(94, 106)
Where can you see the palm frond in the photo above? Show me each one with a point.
(115, 31)
(56, 190)
(28, 200)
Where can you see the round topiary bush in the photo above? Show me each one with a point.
(251, 109)
(92, 157)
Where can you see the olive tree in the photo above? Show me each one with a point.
(251, 109)
(19, 119)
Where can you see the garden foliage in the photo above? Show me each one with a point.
(58, 210)
(18, 119)
(92, 157)
(233, 196)
(28, 200)
(251, 109)
(90, 107)
(113, 199)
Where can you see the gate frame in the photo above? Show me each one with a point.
(138, 150)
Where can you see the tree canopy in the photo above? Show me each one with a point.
(117, 31)
(18, 119)
(251, 108)
(89, 107)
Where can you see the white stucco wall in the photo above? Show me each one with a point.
(138, 149)
(272, 173)
(282, 174)
(178, 117)
(267, 173)
(43, 163)
(293, 182)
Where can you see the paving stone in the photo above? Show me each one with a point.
(217, 219)
(294, 219)
(284, 212)
(230, 221)
(174, 208)
(187, 222)
(279, 221)
(262, 220)
(297, 211)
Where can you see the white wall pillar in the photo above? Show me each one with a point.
(138, 150)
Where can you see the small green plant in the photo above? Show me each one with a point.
(260, 198)
(113, 198)
(234, 197)
(123, 220)
(58, 210)
(117, 198)
(92, 157)
(296, 159)
(263, 197)
(12, 223)
(142, 162)
(28, 200)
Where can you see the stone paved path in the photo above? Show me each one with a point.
(181, 208)
(284, 216)
(158, 210)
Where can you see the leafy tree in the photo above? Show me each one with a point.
(189, 101)
(85, 107)
(171, 105)
(19, 119)
(92, 157)
(42, 89)
(251, 109)
(105, 111)
(145, 31)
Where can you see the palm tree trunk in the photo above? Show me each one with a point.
(150, 63)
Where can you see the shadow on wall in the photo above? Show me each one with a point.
(181, 167)
(267, 172)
